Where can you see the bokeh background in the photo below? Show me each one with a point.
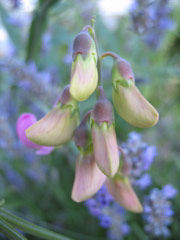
(36, 40)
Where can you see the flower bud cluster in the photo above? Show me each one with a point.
(98, 160)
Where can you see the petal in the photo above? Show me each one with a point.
(84, 77)
(44, 150)
(88, 178)
(24, 121)
(124, 194)
(105, 148)
(131, 105)
(54, 129)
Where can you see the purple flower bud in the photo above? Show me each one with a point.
(82, 135)
(82, 44)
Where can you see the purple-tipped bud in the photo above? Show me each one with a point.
(24, 121)
(84, 75)
(122, 73)
(88, 178)
(81, 136)
(58, 126)
(82, 44)
(65, 96)
(124, 194)
(103, 110)
(104, 137)
(127, 99)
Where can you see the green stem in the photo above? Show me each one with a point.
(93, 34)
(37, 29)
(110, 54)
(10, 232)
(29, 227)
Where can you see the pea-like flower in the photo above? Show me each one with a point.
(57, 127)
(84, 75)
(88, 177)
(104, 136)
(129, 103)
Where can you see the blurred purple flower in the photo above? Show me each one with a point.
(152, 19)
(110, 215)
(15, 3)
(139, 157)
(158, 211)
(169, 191)
(144, 181)
(24, 121)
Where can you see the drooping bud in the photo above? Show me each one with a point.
(24, 121)
(129, 103)
(124, 194)
(57, 127)
(88, 178)
(104, 137)
(82, 135)
(84, 75)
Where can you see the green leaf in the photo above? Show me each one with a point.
(30, 227)
(10, 232)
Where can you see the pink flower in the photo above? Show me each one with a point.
(24, 121)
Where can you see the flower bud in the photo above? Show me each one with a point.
(124, 194)
(104, 137)
(82, 134)
(88, 178)
(57, 127)
(129, 103)
(24, 121)
(84, 75)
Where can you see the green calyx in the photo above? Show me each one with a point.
(86, 150)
